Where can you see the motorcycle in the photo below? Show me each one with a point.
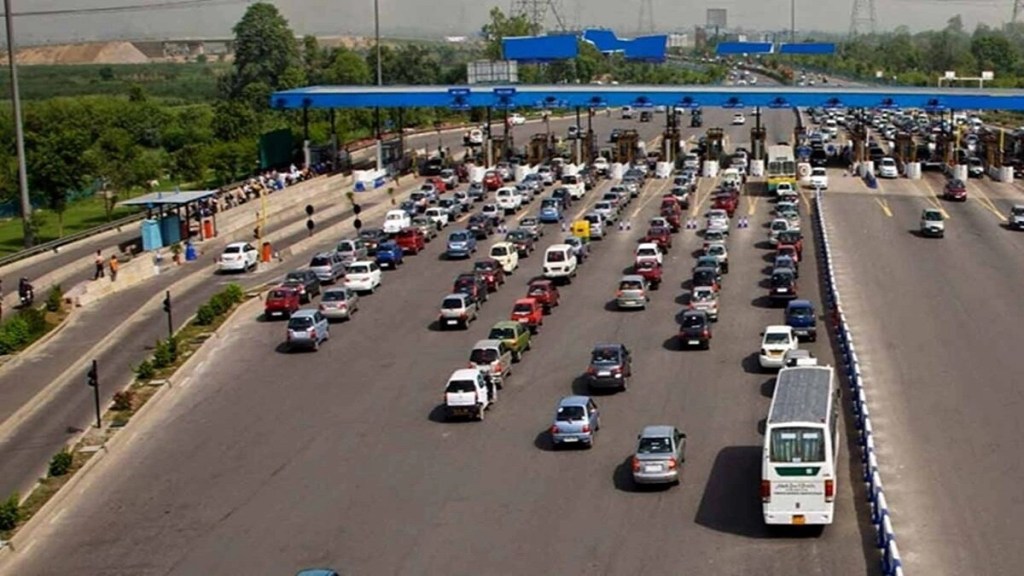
(28, 296)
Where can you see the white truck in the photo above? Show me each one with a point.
(395, 221)
(468, 394)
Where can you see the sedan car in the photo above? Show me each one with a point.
(632, 292)
(659, 457)
(955, 189)
(363, 276)
(339, 303)
(238, 257)
(819, 178)
(307, 281)
(775, 342)
(611, 365)
(577, 419)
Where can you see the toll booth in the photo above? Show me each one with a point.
(498, 148)
(945, 148)
(537, 149)
(715, 147)
(670, 145)
(860, 137)
(905, 150)
(990, 147)
(625, 148)
(590, 147)
(757, 138)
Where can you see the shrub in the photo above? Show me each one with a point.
(55, 299)
(236, 293)
(205, 315)
(35, 320)
(60, 464)
(166, 353)
(145, 370)
(10, 513)
(14, 334)
(123, 400)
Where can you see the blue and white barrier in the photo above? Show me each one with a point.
(885, 539)
(366, 180)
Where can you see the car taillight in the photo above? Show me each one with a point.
(636, 464)
(498, 367)
(312, 332)
(586, 428)
(830, 490)
(463, 316)
(618, 294)
(591, 370)
(554, 429)
(672, 463)
(766, 491)
(706, 333)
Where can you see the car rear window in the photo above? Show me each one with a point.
(501, 334)
(295, 277)
(277, 294)
(483, 355)
(522, 307)
(452, 303)
(359, 269)
(631, 285)
(655, 446)
(457, 237)
(300, 323)
(555, 256)
(461, 386)
(334, 296)
(800, 311)
(776, 338)
(232, 249)
(320, 261)
(693, 321)
(604, 356)
(569, 413)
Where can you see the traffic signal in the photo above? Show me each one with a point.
(167, 303)
(93, 376)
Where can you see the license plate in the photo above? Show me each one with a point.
(799, 520)
(604, 373)
(693, 342)
(780, 290)
(570, 439)
(652, 468)
(452, 322)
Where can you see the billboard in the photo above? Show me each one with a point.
(492, 72)
(808, 48)
(744, 48)
(643, 48)
(717, 18)
(540, 48)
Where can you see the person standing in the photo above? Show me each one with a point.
(100, 264)
(114, 265)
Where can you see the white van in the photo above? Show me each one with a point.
(731, 178)
(560, 262)
(508, 199)
(575, 185)
(396, 220)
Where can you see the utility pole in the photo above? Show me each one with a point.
(92, 378)
(19, 134)
(380, 82)
(167, 309)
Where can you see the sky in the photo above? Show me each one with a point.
(432, 18)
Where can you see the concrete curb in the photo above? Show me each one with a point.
(891, 562)
(57, 500)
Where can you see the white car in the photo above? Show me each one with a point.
(506, 254)
(238, 257)
(363, 276)
(738, 119)
(717, 219)
(778, 226)
(627, 113)
(516, 119)
(439, 216)
(601, 165)
(786, 190)
(474, 137)
(647, 251)
(547, 175)
(395, 221)
(508, 199)
(887, 168)
(819, 178)
(775, 342)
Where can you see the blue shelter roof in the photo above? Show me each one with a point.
(540, 48)
(590, 95)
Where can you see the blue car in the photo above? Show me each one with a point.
(461, 244)
(389, 255)
(801, 317)
(550, 211)
(410, 208)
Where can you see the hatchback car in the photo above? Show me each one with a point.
(801, 317)
(352, 249)
(457, 311)
(659, 456)
(339, 303)
(492, 272)
(706, 299)
(307, 329)
(461, 244)
(695, 329)
(955, 190)
(328, 266)
(611, 366)
(782, 285)
(533, 226)
(632, 292)
(933, 223)
(705, 276)
(281, 301)
(577, 419)
(307, 282)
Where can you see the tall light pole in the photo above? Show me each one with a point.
(380, 81)
(792, 21)
(19, 135)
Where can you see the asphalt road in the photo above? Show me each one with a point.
(266, 462)
(937, 326)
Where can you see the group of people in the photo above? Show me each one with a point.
(101, 264)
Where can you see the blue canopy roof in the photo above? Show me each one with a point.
(540, 48)
(591, 95)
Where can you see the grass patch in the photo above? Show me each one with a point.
(80, 216)
(182, 82)
(21, 329)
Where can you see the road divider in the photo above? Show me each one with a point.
(891, 562)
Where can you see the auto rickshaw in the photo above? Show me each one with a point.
(581, 230)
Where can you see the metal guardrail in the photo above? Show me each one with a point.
(55, 244)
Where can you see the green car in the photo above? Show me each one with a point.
(514, 334)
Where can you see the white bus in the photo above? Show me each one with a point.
(799, 471)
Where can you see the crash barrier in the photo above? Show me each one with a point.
(885, 540)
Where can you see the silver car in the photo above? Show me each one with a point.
(457, 311)
(632, 292)
(307, 328)
(534, 225)
(576, 420)
(328, 266)
(493, 358)
(352, 249)
(339, 303)
(659, 457)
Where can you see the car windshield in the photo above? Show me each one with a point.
(334, 296)
(522, 307)
(650, 445)
(300, 323)
(1017, 211)
(716, 250)
(461, 387)
(693, 321)
(776, 338)
(702, 295)
(703, 277)
(502, 334)
(483, 355)
(932, 216)
(457, 237)
(780, 225)
(517, 235)
(555, 256)
(277, 295)
(233, 250)
(781, 279)
(647, 252)
(604, 356)
(569, 413)
(484, 266)
(631, 285)
(800, 311)
(451, 304)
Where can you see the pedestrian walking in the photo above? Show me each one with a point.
(100, 265)
(114, 265)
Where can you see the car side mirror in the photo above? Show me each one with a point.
(762, 333)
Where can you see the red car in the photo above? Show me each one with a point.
(492, 180)
(492, 272)
(281, 301)
(955, 190)
(438, 183)
(545, 292)
(659, 235)
(650, 270)
(530, 312)
(411, 240)
(788, 250)
(795, 239)
(728, 201)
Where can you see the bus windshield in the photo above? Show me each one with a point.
(797, 445)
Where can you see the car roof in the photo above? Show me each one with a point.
(525, 300)
(236, 244)
(607, 347)
(778, 328)
(631, 278)
(357, 262)
(458, 295)
(575, 400)
(694, 313)
(487, 343)
(647, 245)
(303, 312)
(464, 373)
(505, 324)
(657, 431)
(317, 572)
(799, 304)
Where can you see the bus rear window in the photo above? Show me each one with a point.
(797, 445)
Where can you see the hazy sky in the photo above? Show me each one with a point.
(463, 17)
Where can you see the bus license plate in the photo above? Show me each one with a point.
(799, 520)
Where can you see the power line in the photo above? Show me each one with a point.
(166, 5)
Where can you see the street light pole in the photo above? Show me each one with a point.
(19, 134)
(792, 21)
(380, 81)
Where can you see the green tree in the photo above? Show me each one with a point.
(346, 67)
(314, 59)
(233, 121)
(56, 168)
(265, 50)
(232, 160)
(113, 158)
(189, 163)
(501, 26)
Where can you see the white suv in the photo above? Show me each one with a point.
(560, 262)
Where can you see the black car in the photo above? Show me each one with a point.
(782, 287)
(695, 329)
(646, 116)
(372, 237)
(306, 282)
(473, 285)
(523, 241)
(705, 276)
(480, 226)
(432, 167)
(613, 137)
(562, 193)
(611, 365)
